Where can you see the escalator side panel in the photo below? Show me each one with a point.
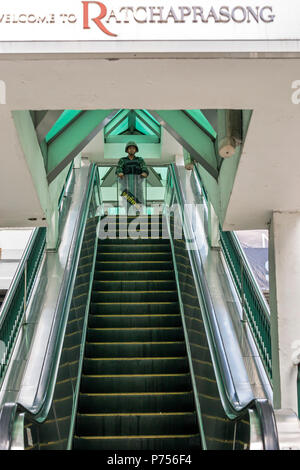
(220, 432)
(54, 432)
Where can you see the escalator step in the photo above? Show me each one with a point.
(137, 349)
(133, 248)
(132, 265)
(138, 257)
(134, 296)
(123, 285)
(123, 321)
(145, 274)
(136, 390)
(135, 402)
(131, 365)
(172, 333)
(128, 424)
(115, 308)
(114, 383)
(144, 240)
(175, 442)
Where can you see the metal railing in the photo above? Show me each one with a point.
(12, 313)
(254, 305)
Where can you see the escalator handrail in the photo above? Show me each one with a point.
(229, 396)
(39, 411)
(259, 333)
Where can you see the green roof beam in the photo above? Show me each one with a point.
(149, 122)
(69, 143)
(199, 144)
(200, 119)
(114, 123)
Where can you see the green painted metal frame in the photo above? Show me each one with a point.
(196, 140)
(252, 300)
(69, 143)
(12, 314)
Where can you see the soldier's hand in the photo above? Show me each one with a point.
(144, 175)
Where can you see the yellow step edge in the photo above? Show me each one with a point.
(136, 342)
(133, 358)
(133, 303)
(136, 375)
(140, 244)
(134, 394)
(121, 315)
(138, 271)
(135, 261)
(140, 328)
(138, 280)
(171, 436)
(176, 413)
(133, 291)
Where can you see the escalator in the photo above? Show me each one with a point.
(136, 391)
(131, 360)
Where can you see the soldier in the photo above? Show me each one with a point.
(132, 165)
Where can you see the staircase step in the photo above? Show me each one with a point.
(132, 424)
(122, 383)
(138, 349)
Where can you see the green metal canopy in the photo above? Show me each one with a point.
(71, 130)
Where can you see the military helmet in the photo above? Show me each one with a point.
(133, 144)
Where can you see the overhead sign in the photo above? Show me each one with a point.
(141, 20)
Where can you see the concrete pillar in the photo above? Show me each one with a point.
(284, 273)
(213, 227)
